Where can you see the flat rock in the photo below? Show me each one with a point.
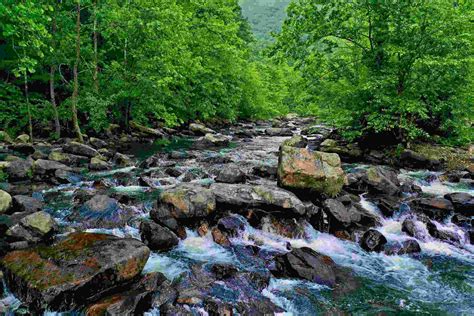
(80, 149)
(79, 269)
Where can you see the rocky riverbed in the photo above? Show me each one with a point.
(247, 219)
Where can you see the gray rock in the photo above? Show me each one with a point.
(231, 174)
(80, 149)
(157, 237)
(19, 169)
(373, 240)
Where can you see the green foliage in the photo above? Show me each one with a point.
(3, 176)
(398, 68)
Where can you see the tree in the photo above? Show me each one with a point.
(393, 68)
(75, 93)
(23, 25)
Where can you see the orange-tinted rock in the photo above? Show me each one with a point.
(73, 271)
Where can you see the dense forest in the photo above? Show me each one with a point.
(384, 68)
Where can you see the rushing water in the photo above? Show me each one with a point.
(439, 280)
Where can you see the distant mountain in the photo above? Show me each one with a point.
(265, 16)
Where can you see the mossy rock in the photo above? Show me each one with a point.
(300, 168)
(454, 158)
(73, 271)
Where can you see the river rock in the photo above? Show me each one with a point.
(442, 234)
(146, 130)
(410, 227)
(200, 130)
(19, 169)
(135, 301)
(67, 159)
(265, 171)
(212, 141)
(80, 149)
(22, 139)
(410, 246)
(157, 237)
(231, 225)
(382, 180)
(33, 228)
(348, 152)
(242, 196)
(436, 208)
(183, 203)
(300, 168)
(373, 240)
(79, 269)
(98, 164)
(305, 263)
(22, 148)
(414, 160)
(26, 204)
(276, 131)
(463, 203)
(231, 174)
(122, 160)
(343, 217)
(5, 137)
(5, 201)
(97, 143)
(48, 167)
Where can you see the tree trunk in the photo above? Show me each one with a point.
(75, 92)
(95, 74)
(30, 121)
(52, 90)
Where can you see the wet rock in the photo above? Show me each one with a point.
(265, 171)
(135, 301)
(342, 217)
(4, 137)
(79, 269)
(185, 202)
(435, 208)
(22, 139)
(210, 141)
(174, 310)
(301, 169)
(305, 263)
(157, 237)
(231, 174)
(97, 164)
(272, 199)
(219, 237)
(373, 240)
(122, 160)
(200, 130)
(262, 306)
(22, 148)
(224, 271)
(410, 227)
(348, 152)
(414, 160)
(33, 228)
(48, 167)
(445, 235)
(231, 225)
(463, 203)
(275, 131)
(470, 236)
(297, 141)
(19, 169)
(101, 203)
(97, 143)
(80, 149)
(380, 180)
(5, 201)
(67, 159)
(409, 247)
(146, 130)
(461, 220)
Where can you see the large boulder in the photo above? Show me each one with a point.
(5, 201)
(348, 152)
(157, 237)
(272, 199)
(346, 217)
(80, 149)
(381, 180)
(19, 169)
(300, 168)
(305, 263)
(463, 203)
(183, 203)
(414, 160)
(67, 159)
(72, 272)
